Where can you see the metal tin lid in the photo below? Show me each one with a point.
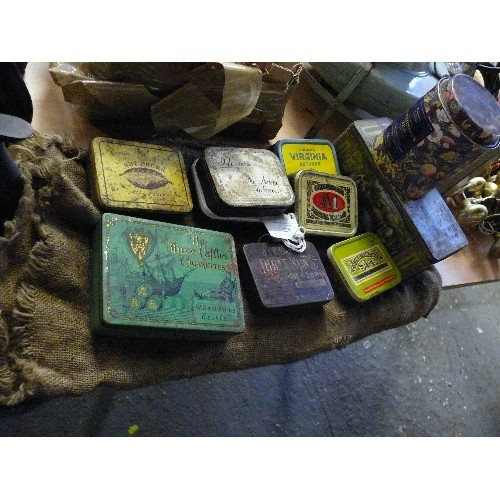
(248, 178)
(326, 204)
(364, 265)
(203, 204)
(472, 108)
(158, 275)
(134, 176)
(307, 154)
(284, 278)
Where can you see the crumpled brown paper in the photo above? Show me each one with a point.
(194, 107)
(202, 99)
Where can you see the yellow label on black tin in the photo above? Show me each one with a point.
(137, 176)
(308, 156)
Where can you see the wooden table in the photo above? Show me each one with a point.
(52, 114)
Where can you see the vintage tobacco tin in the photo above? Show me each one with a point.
(135, 177)
(163, 280)
(203, 203)
(307, 154)
(364, 266)
(243, 182)
(284, 278)
(326, 204)
(417, 233)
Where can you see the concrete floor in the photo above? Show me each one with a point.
(435, 377)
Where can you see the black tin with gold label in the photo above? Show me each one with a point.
(284, 278)
(242, 182)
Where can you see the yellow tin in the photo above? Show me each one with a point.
(136, 177)
(326, 204)
(364, 266)
(307, 154)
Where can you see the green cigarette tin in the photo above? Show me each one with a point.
(307, 154)
(135, 177)
(326, 204)
(162, 280)
(364, 266)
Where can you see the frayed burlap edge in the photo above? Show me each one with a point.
(16, 331)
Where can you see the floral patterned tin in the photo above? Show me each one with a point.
(439, 136)
(416, 233)
(162, 280)
(307, 154)
(364, 266)
(284, 278)
(326, 204)
(243, 182)
(137, 177)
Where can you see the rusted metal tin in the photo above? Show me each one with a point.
(440, 136)
(326, 204)
(307, 154)
(243, 182)
(364, 265)
(284, 278)
(417, 233)
(132, 176)
(162, 280)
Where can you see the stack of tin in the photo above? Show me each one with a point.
(326, 205)
(160, 279)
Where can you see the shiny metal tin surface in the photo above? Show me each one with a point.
(364, 266)
(161, 280)
(136, 177)
(326, 204)
(283, 278)
(244, 182)
(307, 154)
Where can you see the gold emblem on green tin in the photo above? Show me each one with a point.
(158, 278)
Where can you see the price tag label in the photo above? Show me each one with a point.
(282, 226)
(286, 228)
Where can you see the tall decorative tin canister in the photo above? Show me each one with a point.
(439, 136)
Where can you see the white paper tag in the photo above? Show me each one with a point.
(282, 226)
(286, 228)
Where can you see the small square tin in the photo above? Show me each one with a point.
(364, 266)
(136, 177)
(307, 154)
(326, 204)
(243, 182)
(284, 278)
(162, 280)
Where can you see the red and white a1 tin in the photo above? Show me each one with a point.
(326, 204)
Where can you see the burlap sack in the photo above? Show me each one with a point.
(46, 347)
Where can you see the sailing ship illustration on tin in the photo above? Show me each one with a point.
(155, 277)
